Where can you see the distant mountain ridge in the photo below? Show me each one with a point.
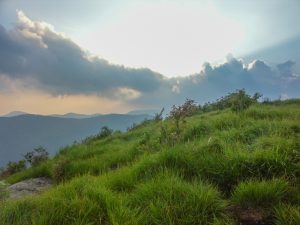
(76, 115)
(21, 133)
(150, 112)
(14, 113)
(67, 115)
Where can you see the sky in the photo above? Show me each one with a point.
(116, 56)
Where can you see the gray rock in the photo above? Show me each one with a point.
(29, 187)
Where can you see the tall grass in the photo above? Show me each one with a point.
(287, 215)
(260, 193)
(220, 158)
(168, 200)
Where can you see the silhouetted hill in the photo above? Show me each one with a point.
(14, 113)
(148, 112)
(21, 134)
(77, 116)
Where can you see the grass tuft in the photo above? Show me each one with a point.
(287, 215)
(261, 193)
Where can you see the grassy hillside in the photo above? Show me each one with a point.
(22, 133)
(221, 168)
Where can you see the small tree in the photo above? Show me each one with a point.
(179, 113)
(240, 101)
(105, 132)
(158, 116)
(13, 167)
(36, 156)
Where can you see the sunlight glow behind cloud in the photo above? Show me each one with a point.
(173, 39)
(43, 65)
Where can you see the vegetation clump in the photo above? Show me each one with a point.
(13, 167)
(37, 156)
(261, 193)
(238, 101)
(3, 191)
(181, 112)
(105, 132)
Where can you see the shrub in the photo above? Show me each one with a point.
(240, 100)
(105, 132)
(59, 170)
(37, 156)
(13, 167)
(179, 113)
(158, 116)
(42, 170)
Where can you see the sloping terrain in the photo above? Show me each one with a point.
(221, 168)
(23, 133)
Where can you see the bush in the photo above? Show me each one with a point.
(238, 101)
(241, 101)
(37, 156)
(42, 170)
(13, 167)
(179, 113)
(105, 132)
(59, 170)
(159, 116)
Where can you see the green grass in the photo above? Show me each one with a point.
(3, 192)
(261, 193)
(43, 170)
(144, 176)
(167, 199)
(287, 215)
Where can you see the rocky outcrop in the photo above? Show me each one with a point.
(29, 187)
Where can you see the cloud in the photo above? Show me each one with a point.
(286, 68)
(36, 57)
(216, 81)
(35, 50)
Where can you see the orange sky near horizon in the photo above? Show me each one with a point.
(44, 104)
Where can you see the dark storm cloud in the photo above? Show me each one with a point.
(216, 81)
(58, 65)
(286, 69)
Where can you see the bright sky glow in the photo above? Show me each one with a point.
(44, 70)
(173, 39)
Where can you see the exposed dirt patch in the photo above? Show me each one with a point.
(251, 216)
